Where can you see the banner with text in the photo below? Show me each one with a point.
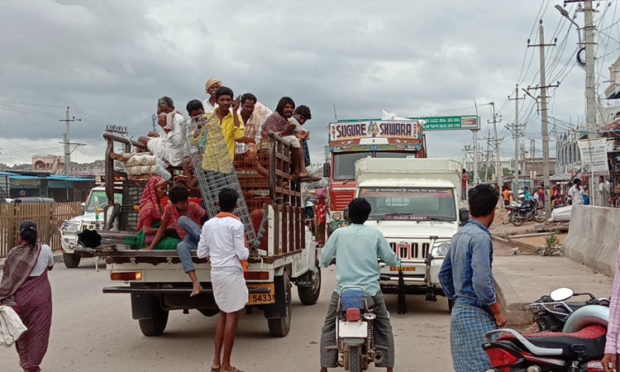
(340, 131)
(594, 156)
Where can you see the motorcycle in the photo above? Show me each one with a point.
(551, 311)
(354, 331)
(579, 347)
(528, 210)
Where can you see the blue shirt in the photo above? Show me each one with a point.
(466, 271)
(356, 248)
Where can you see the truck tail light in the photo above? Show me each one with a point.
(256, 275)
(137, 275)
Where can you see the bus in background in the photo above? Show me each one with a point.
(351, 140)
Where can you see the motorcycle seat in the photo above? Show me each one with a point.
(587, 344)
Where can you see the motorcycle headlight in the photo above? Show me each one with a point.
(337, 216)
(440, 249)
(70, 227)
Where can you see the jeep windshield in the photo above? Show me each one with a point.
(410, 203)
(98, 199)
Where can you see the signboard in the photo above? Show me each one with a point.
(340, 131)
(450, 122)
(594, 156)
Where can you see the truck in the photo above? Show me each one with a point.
(351, 140)
(283, 252)
(91, 218)
(415, 204)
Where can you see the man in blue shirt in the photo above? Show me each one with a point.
(356, 248)
(467, 279)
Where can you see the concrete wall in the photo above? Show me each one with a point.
(593, 237)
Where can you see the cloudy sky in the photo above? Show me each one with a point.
(110, 61)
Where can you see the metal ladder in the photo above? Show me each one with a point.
(214, 169)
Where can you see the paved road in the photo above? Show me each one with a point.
(94, 332)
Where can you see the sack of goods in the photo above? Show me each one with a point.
(11, 326)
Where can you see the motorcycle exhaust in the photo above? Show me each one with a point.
(379, 357)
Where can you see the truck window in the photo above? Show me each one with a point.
(393, 154)
(344, 164)
(410, 203)
(98, 199)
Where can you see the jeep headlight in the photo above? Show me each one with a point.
(337, 216)
(70, 227)
(440, 249)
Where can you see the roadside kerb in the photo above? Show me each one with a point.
(522, 279)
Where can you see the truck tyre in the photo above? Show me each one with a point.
(310, 295)
(154, 326)
(355, 359)
(279, 327)
(71, 260)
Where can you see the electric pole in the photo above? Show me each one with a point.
(67, 142)
(486, 160)
(545, 130)
(516, 137)
(498, 164)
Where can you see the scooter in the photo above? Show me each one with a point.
(578, 348)
(551, 311)
(354, 331)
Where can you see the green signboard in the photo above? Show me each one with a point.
(450, 122)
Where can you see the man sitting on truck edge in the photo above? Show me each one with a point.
(184, 216)
(222, 240)
(467, 279)
(356, 248)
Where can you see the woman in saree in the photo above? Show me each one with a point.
(26, 288)
(149, 217)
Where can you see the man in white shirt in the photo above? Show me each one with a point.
(222, 240)
(576, 192)
(170, 145)
(211, 86)
(604, 188)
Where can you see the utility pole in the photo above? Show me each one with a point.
(516, 137)
(498, 164)
(67, 142)
(545, 130)
(532, 148)
(486, 160)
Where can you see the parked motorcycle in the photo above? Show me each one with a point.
(354, 331)
(578, 348)
(528, 210)
(551, 311)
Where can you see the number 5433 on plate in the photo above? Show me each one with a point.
(262, 298)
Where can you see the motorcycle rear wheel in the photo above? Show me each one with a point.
(355, 359)
(540, 215)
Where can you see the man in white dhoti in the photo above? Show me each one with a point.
(222, 240)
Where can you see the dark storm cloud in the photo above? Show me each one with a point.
(111, 60)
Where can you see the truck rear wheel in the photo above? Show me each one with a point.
(310, 295)
(154, 326)
(280, 326)
(71, 260)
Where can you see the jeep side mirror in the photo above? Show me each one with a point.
(463, 216)
(83, 207)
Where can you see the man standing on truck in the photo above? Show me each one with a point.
(222, 240)
(356, 248)
(466, 278)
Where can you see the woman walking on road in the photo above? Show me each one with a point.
(25, 287)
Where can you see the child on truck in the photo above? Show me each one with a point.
(185, 217)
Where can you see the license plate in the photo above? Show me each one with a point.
(352, 329)
(404, 268)
(262, 298)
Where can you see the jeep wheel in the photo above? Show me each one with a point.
(154, 326)
(310, 295)
(71, 260)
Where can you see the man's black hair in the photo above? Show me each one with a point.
(577, 181)
(178, 193)
(223, 91)
(304, 112)
(482, 200)
(194, 105)
(164, 102)
(248, 96)
(359, 209)
(228, 199)
(283, 101)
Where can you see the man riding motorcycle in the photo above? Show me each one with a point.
(356, 248)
